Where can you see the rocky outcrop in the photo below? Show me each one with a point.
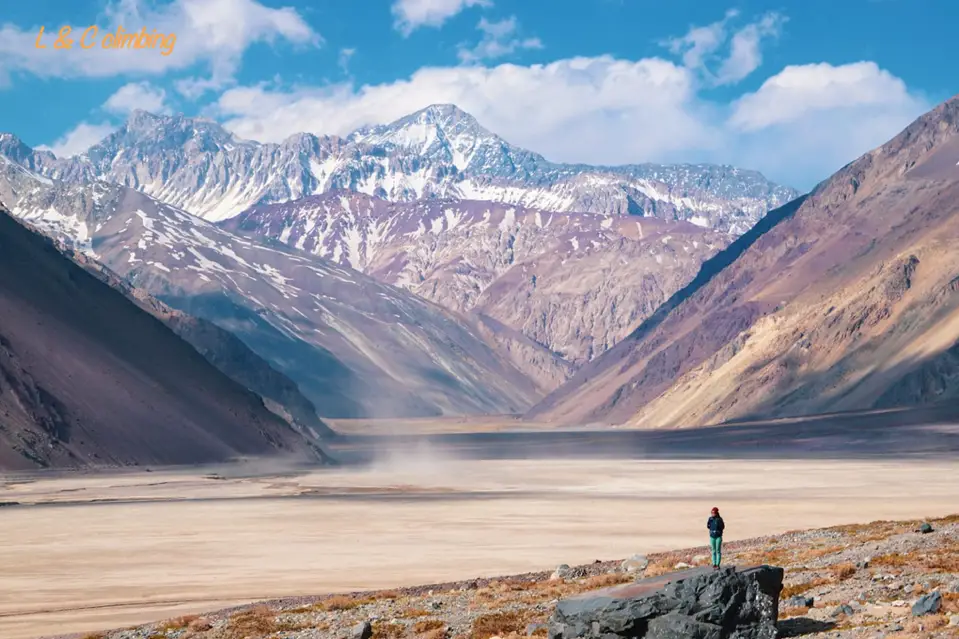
(693, 604)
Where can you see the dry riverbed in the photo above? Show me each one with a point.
(165, 545)
(846, 582)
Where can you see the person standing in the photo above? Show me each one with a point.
(716, 526)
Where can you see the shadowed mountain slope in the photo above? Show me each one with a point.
(88, 378)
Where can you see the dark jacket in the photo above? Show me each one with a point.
(716, 526)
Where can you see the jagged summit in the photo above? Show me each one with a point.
(439, 151)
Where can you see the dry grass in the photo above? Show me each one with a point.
(179, 623)
(797, 589)
(343, 602)
(794, 611)
(943, 558)
(257, 621)
(428, 625)
(95, 635)
(436, 633)
(414, 613)
(843, 571)
(662, 564)
(499, 624)
(387, 630)
(771, 556)
(502, 593)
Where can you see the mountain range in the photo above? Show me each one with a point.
(437, 152)
(521, 296)
(427, 267)
(575, 283)
(353, 345)
(845, 299)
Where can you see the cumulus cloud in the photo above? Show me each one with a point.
(211, 32)
(701, 47)
(137, 95)
(798, 127)
(499, 39)
(410, 15)
(811, 120)
(79, 139)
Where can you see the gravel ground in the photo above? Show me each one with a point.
(845, 582)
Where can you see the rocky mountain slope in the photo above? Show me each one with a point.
(221, 348)
(438, 152)
(847, 299)
(354, 346)
(88, 378)
(574, 282)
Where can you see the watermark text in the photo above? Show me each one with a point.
(119, 39)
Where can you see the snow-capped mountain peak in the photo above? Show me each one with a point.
(437, 152)
(440, 132)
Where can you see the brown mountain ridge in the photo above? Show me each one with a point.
(845, 299)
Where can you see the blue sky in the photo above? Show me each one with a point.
(794, 89)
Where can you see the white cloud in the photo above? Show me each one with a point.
(811, 120)
(499, 39)
(800, 126)
(411, 14)
(701, 42)
(137, 95)
(344, 60)
(79, 139)
(802, 91)
(700, 47)
(211, 32)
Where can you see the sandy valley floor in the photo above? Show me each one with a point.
(166, 543)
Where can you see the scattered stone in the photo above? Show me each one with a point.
(682, 566)
(954, 620)
(636, 563)
(927, 604)
(926, 528)
(844, 609)
(954, 587)
(799, 602)
(533, 627)
(862, 565)
(363, 630)
(562, 572)
(698, 603)
(436, 605)
(701, 559)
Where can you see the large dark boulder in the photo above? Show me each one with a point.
(693, 604)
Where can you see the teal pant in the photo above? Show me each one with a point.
(716, 546)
